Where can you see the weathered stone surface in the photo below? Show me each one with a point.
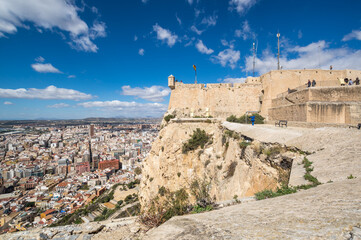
(125, 228)
(166, 166)
(329, 211)
(335, 151)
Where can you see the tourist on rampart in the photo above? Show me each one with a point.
(309, 83)
(313, 82)
(346, 81)
(357, 81)
(331, 67)
(350, 82)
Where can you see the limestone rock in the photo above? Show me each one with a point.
(229, 169)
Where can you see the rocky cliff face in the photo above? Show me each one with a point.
(229, 163)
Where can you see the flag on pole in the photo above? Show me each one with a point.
(195, 70)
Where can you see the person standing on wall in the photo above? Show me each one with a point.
(357, 81)
(313, 82)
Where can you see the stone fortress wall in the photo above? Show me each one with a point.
(217, 100)
(328, 102)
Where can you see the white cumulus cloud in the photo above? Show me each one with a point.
(241, 6)
(234, 80)
(165, 35)
(202, 48)
(153, 93)
(39, 59)
(59, 105)
(45, 68)
(141, 52)
(49, 15)
(228, 57)
(314, 55)
(210, 21)
(245, 32)
(129, 109)
(50, 92)
(355, 34)
(98, 30)
(196, 30)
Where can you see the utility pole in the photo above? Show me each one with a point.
(254, 58)
(278, 55)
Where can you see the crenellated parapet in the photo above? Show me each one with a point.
(265, 93)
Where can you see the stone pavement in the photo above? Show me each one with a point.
(329, 211)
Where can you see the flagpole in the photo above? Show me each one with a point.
(196, 77)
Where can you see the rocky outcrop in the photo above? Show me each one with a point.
(125, 228)
(329, 211)
(229, 168)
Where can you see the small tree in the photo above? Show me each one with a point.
(169, 117)
(198, 139)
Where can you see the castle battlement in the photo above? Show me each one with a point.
(180, 85)
(270, 92)
(172, 84)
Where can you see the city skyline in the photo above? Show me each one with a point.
(77, 59)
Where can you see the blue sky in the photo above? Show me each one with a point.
(65, 59)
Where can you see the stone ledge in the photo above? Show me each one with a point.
(195, 120)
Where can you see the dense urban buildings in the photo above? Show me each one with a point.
(49, 172)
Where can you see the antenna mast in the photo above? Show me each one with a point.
(254, 58)
(278, 55)
(255, 46)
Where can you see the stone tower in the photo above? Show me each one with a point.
(171, 82)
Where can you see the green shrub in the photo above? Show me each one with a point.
(169, 117)
(138, 171)
(224, 139)
(128, 199)
(232, 118)
(279, 192)
(351, 177)
(162, 191)
(258, 119)
(307, 165)
(78, 221)
(244, 144)
(200, 190)
(271, 151)
(104, 211)
(231, 134)
(133, 184)
(199, 209)
(198, 139)
(231, 169)
(311, 179)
